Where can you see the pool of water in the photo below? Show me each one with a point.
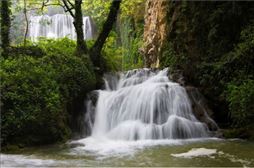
(210, 152)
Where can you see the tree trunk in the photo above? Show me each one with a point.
(95, 52)
(78, 24)
(27, 23)
(5, 24)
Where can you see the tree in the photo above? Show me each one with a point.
(5, 24)
(78, 23)
(95, 52)
(27, 23)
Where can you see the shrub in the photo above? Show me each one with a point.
(74, 74)
(38, 93)
(31, 102)
(241, 98)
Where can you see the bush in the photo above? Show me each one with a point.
(38, 93)
(74, 74)
(241, 100)
(31, 102)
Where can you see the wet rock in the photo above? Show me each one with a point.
(75, 144)
(200, 109)
(177, 76)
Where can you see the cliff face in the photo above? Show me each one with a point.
(210, 44)
(155, 30)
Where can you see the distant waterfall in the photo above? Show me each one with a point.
(58, 26)
(143, 104)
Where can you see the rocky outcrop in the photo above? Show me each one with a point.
(155, 30)
(198, 102)
(200, 109)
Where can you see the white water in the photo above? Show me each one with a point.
(58, 26)
(196, 152)
(144, 104)
(8, 160)
(139, 108)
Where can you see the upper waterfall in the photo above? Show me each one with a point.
(58, 26)
(144, 104)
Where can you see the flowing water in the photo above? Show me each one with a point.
(144, 104)
(141, 118)
(58, 26)
(185, 153)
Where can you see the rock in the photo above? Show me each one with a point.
(177, 76)
(200, 109)
(198, 102)
(75, 144)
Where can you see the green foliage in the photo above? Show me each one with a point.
(37, 93)
(97, 9)
(5, 23)
(112, 54)
(31, 102)
(121, 50)
(212, 44)
(132, 8)
(241, 100)
(132, 59)
(131, 41)
(63, 46)
(169, 58)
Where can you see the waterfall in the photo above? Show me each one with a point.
(58, 26)
(143, 105)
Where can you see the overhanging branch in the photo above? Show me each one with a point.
(68, 8)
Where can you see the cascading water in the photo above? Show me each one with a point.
(58, 26)
(136, 109)
(144, 104)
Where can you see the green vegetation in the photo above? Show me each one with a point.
(212, 43)
(121, 49)
(43, 85)
(39, 90)
(112, 53)
(5, 24)
(241, 100)
(131, 32)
